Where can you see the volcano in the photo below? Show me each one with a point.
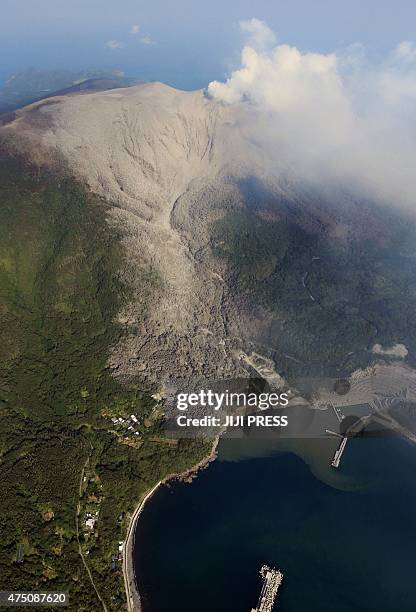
(225, 248)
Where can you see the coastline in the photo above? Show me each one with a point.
(277, 519)
(130, 582)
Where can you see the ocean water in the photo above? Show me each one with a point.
(345, 540)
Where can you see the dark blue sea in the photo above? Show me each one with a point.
(345, 540)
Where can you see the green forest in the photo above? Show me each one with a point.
(59, 456)
(330, 299)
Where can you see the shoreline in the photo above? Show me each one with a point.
(129, 575)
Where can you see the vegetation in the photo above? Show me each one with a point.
(59, 456)
(26, 87)
(330, 299)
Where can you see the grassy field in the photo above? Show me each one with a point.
(59, 456)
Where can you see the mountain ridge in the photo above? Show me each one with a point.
(188, 188)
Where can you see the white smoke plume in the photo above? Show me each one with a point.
(334, 117)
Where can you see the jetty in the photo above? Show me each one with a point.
(272, 579)
(338, 453)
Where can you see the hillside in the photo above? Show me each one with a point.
(146, 239)
(232, 250)
(61, 455)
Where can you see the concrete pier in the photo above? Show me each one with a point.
(338, 453)
(272, 579)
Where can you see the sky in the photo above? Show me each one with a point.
(186, 43)
(339, 118)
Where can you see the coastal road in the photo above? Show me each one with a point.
(133, 599)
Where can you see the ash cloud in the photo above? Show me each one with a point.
(333, 118)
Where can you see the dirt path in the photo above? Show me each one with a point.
(77, 515)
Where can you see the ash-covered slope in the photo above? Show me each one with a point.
(223, 252)
(146, 149)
